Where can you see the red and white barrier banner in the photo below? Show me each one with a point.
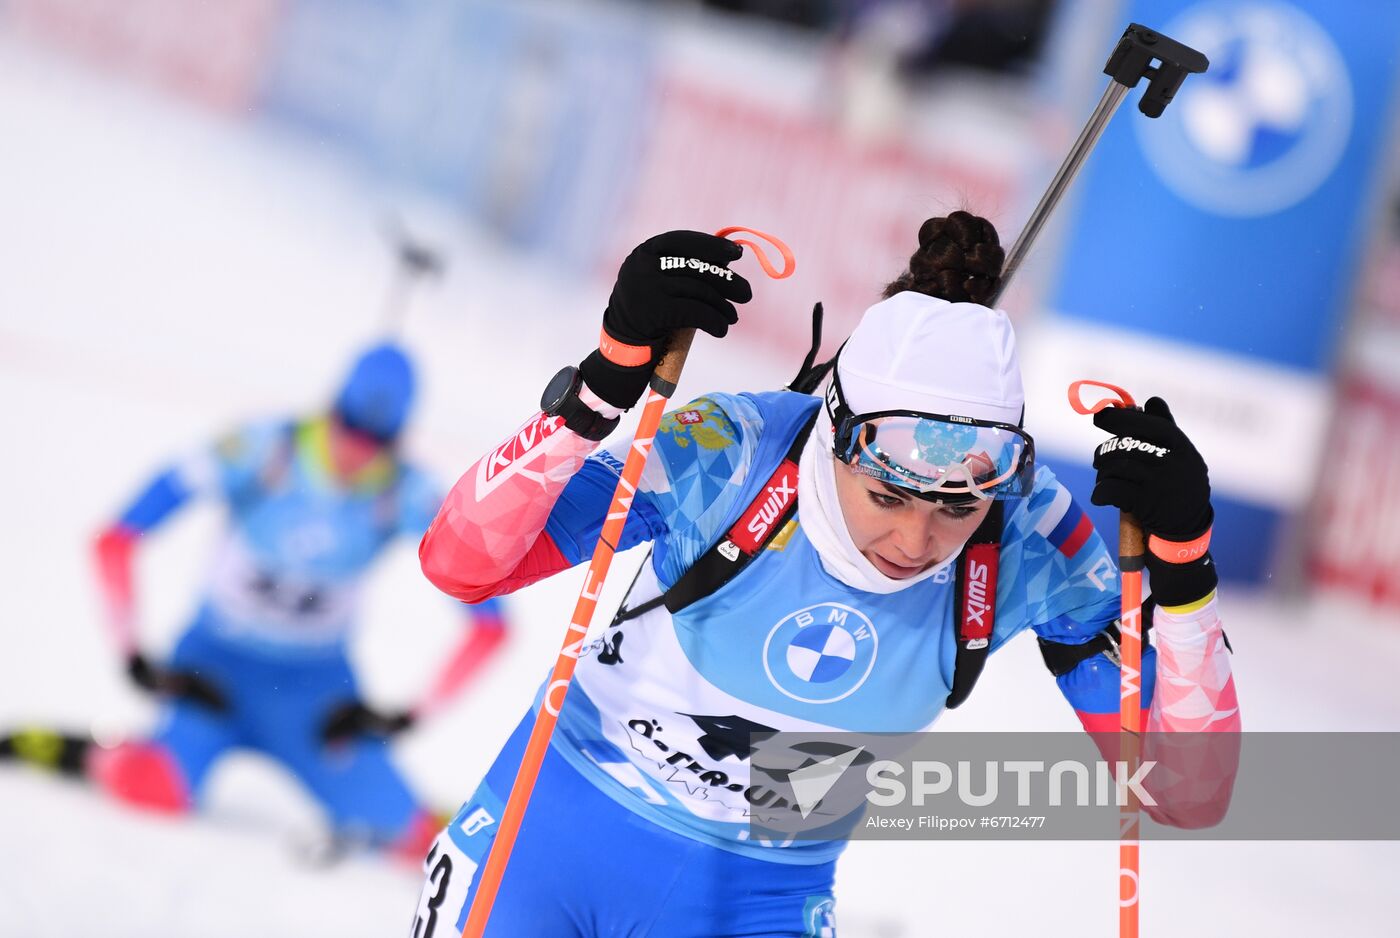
(211, 52)
(1355, 543)
(850, 211)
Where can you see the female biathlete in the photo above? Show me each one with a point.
(843, 618)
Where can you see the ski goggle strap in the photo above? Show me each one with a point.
(938, 456)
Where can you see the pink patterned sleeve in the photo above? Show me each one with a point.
(1194, 724)
(1195, 687)
(485, 540)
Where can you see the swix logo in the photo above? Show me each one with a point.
(977, 604)
(980, 595)
(690, 416)
(1129, 444)
(516, 451)
(758, 520)
(678, 263)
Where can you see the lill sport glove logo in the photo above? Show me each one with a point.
(704, 267)
(1128, 444)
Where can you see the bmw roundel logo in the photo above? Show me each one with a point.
(820, 654)
(1266, 124)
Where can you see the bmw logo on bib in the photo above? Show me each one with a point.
(820, 654)
(1267, 124)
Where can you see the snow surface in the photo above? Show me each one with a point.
(166, 274)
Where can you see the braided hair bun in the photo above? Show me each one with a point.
(959, 260)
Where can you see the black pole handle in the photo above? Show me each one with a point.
(1132, 61)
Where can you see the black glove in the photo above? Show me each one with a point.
(676, 280)
(1152, 470)
(353, 718)
(182, 684)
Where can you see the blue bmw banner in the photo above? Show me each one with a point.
(1210, 252)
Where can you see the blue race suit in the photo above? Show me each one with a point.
(271, 628)
(650, 722)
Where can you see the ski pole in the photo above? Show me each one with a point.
(1130, 62)
(413, 261)
(1131, 553)
(662, 386)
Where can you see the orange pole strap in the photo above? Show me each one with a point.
(785, 252)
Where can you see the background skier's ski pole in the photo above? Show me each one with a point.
(414, 261)
(1131, 554)
(663, 385)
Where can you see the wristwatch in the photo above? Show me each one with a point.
(560, 399)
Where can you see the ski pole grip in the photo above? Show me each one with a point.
(1132, 60)
(668, 371)
(1131, 542)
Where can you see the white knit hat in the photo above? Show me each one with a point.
(918, 352)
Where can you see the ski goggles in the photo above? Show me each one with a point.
(943, 458)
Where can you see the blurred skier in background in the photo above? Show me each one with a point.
(311, 503)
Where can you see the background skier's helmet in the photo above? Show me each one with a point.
(378, 393)
(927, 395)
